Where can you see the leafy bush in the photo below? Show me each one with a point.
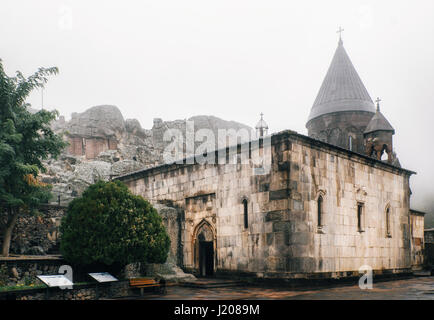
(29, 281)
(110, 226)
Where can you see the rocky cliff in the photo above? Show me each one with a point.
(102, 144)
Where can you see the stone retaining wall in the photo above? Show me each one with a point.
(25, 269)
(79, 292)
(39, 234)
(22, 271)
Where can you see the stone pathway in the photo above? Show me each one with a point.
(207, 283)
(408, 289)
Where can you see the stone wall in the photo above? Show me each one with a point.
(38, 234)
(80, 292)
(90, 147)
(282, 238)
(345, 180)
(429, 236)
(417, 239)
(429, 248)
(335, 128)
(172, 217)
(23, 271)
(76, 146)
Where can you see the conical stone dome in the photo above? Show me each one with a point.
(342, 88)
(343, 108)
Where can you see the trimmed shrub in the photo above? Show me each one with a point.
(110, 226)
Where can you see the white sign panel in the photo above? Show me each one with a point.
(103, 277)
(58, 280)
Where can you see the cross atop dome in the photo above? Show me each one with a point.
(378, 103)
(340, 30)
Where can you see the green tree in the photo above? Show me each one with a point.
(110, 226)
(25, 140)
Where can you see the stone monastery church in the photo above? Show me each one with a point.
(331, 202)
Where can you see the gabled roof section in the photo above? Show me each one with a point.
(342, 88)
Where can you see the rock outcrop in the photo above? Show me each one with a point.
(101, 121)
(102, 144)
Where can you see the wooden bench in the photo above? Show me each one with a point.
(142, 283)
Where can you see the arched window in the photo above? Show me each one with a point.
(360, 213)
(384, 155)
(320, 210)
(388, 234)
(246, 214)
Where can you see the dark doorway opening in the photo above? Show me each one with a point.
(206, 258)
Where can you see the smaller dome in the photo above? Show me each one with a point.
(379, 123)
(261, 123)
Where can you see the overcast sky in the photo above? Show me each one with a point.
(232, 59)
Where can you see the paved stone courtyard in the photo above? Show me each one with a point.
(408, 289)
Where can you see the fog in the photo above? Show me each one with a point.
(232, 59)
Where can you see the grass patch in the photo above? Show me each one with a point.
(35, 286)
(21, 287)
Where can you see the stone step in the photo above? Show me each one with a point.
(422, 273)
(211, 283)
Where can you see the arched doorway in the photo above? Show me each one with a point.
(204, 248)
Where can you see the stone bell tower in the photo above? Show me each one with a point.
(261, 127)
(378, 137)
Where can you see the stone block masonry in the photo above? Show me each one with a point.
(38, 234)
(280, 237)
